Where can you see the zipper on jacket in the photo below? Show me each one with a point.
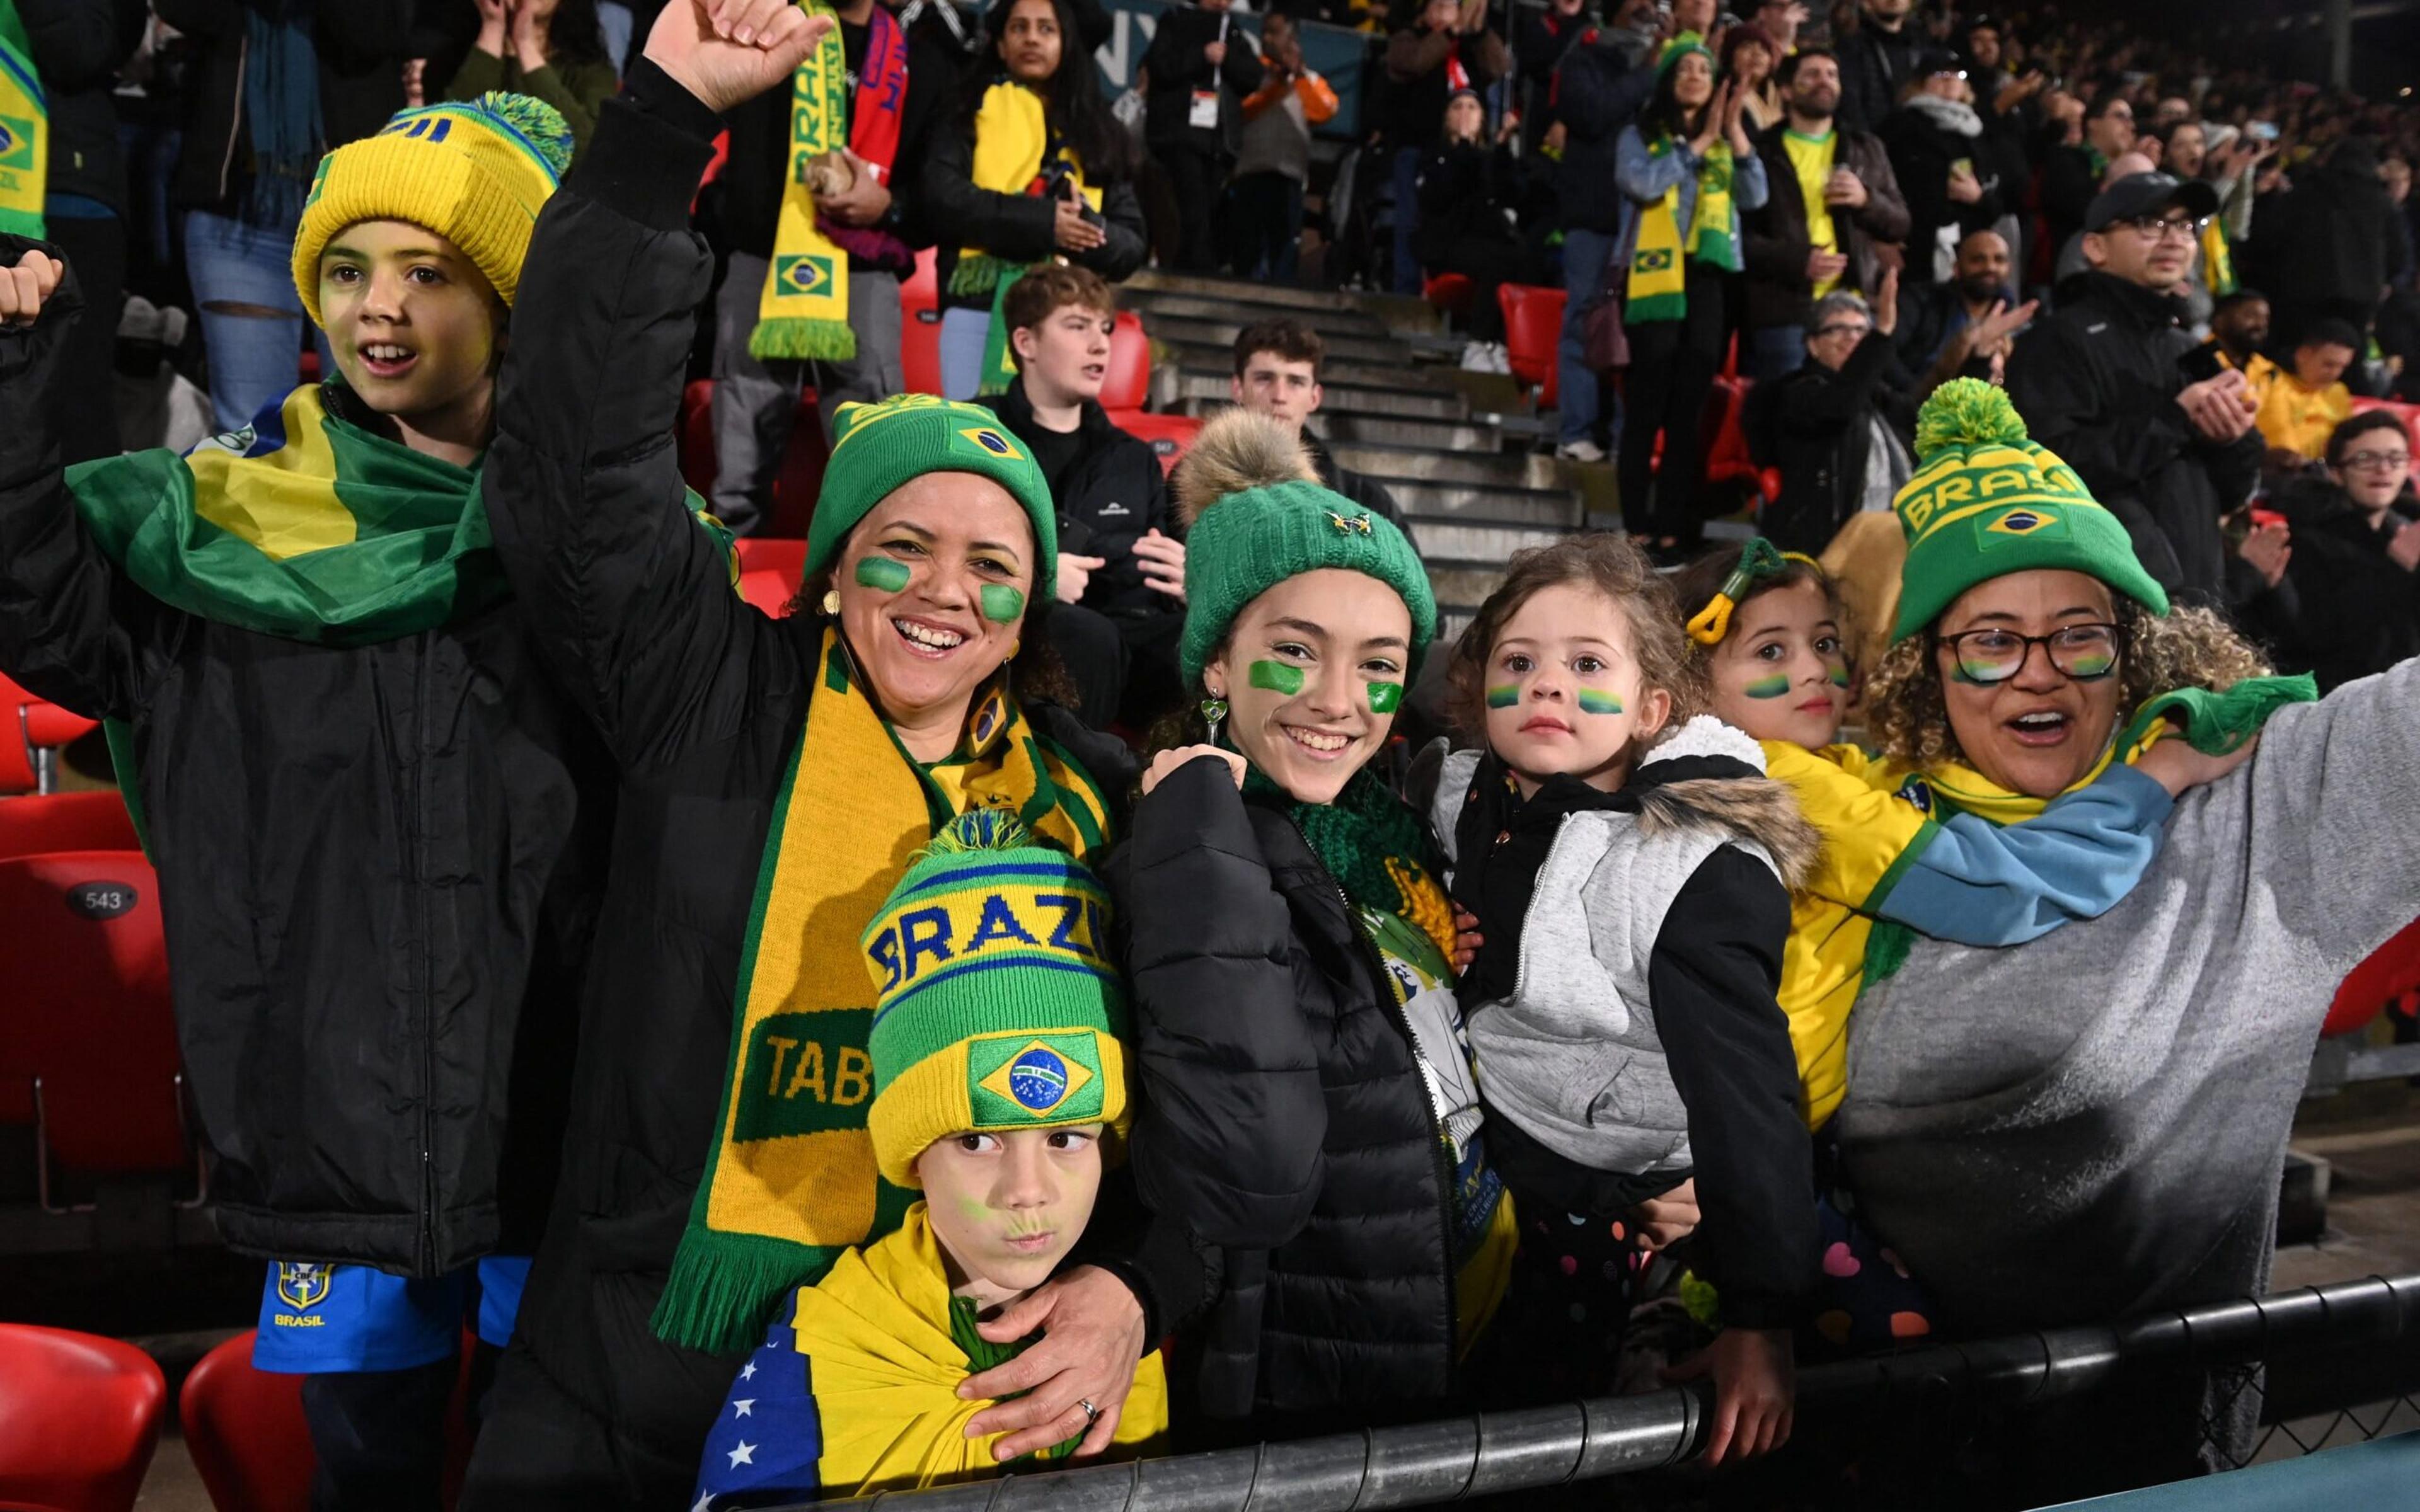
(1381, 978)
(418, 811)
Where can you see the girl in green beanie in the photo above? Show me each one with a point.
(1312, 1127)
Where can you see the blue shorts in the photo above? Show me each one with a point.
(318, 1320)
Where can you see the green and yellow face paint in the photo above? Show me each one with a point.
(1504, 696)
(884, 575)
(1385, 697)
(1768, 688)
(2094, 664)
(1002, 604)
(1599, 700)
(1840, 676)
(1274, 677)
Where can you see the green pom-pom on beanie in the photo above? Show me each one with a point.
(540, 124)
(877, 447)
(1260, 516)
(1986, 501)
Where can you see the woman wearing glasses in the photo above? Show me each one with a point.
(2356, 559)
(2091, 1126)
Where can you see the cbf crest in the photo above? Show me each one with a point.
(302, 1285)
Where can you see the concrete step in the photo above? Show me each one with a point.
(1402, 377)
(1478, 540)
(1452, 501)
(1464, 584)
(1197, 387)
(1160, 280)
(1221, 332)
(1452, 619)
(1328, 323)
(1391, 431)
(1486, 470)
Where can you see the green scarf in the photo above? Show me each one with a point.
(1375, 847)
(24, 132)
(1659, 258)
(2215, 723)
(791, 1181)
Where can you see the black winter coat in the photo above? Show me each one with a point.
(378, 874)
(1116, 490)
(1419, 81)
(361, 45)
(700, 700)
(1922, 148)
(1778, 292)
(1284, 1120)
(1178, 69)
(1874, 65)
(1019, 227)
(2359, 607)
(2097, 383)
(1600, 90)
(2337, 235)
(1816, 426)
(78, 46)
(1468, 193)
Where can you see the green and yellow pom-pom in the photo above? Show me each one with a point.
(979, 829)
(540, 124)
(1966, 412)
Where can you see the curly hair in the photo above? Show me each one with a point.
(1907, 718)
(1591, 558)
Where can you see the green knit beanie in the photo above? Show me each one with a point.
(1986, 501)
(1680, 47)
(996, 1006)
(1259, 517)
(877, 447)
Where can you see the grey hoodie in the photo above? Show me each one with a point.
(2092, 1125)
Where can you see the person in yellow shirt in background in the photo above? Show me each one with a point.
(2239, 328)
(1000, 1089)
(2303, 405)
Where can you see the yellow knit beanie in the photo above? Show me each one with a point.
(474, 172)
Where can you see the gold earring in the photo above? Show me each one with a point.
(1014, 647)
(832, 603)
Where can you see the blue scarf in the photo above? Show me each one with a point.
(281, 110)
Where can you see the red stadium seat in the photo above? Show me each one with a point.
(79, 1419)
(35, 730)
(1128, 383)
(246, 1432)
(769, 571)
(919, 326)
(696, 438)
(2392, 971)
(1533, 328)
(2409, 414)
(88, 1040)
(802, 461)
(1169, 435)
(36, 825)
(1450, 292)
(1728, 458)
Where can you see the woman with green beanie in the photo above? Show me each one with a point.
(1309, 1126)
(777, 777)
(2091, 1126)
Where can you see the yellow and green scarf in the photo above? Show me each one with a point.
(2217, 261)
(791, 1181)
(24, 130)
(1013, 141)
(1659, 258)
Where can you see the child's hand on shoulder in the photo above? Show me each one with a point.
(2176, 765)
(24, 287)
(1756, 1384)
(1168, 761)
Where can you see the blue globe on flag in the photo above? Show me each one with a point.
(1038, 1080)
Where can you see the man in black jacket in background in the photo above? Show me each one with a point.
(1201, 66)
(2101, 383)
(1605, 81)
(1877, 59)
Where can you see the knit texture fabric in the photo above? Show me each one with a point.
(877, 447)
(995, 1007)
(474, 172)
(1251, 541)
(1985, 502)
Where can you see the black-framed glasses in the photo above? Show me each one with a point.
(1842, 328)
(2086, 653)
(2152, 227)
(2393, 461)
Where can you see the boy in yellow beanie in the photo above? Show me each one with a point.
(379, 831)
(999, 1084)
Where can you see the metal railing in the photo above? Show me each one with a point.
(2325, 1330)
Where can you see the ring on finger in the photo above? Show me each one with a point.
(1092, 1414)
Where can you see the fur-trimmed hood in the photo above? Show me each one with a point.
(1696, 791)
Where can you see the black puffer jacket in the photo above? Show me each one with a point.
(78, 46)
(1286, 1120)
(379, 874)
(2360, 608)
(701, 701)
(1599, 88)
(1018, 228)
(1816, 426)
(361, 45)
(1116, 490)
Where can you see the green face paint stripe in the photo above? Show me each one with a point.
(1769, 688)
(2092, 666)
(1385, 697)
(1840, 676)
(1596, 700)
(1503, 697)
(881, 573)
(1002, 604)
(1276, 677)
